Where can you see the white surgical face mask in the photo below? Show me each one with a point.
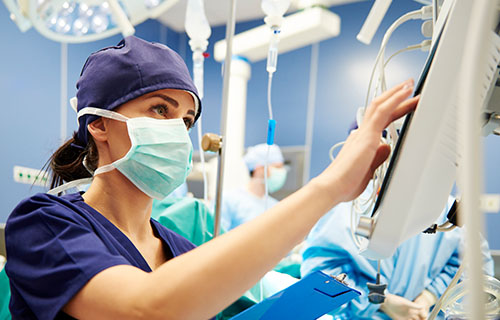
(276, 179)
(159, 159)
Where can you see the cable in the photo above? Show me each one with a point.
(422, 13)
(335, 146)
(453, 283)
(265, 176)
(272, 60)
(409, 48)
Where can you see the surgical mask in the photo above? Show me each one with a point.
(160, 155)
(276, 179)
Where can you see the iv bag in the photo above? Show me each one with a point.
(196, 25)
(275, 8)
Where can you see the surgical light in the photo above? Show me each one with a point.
(75, 21)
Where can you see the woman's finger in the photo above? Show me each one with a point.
(389, 93)
(403, 108)
(384, 113)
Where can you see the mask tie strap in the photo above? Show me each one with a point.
(69, 185)
(103, 113)
(104, 169)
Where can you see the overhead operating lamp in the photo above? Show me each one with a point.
(75, 21)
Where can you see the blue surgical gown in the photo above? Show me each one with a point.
(426, 261)
(55, 245)
(240, 206)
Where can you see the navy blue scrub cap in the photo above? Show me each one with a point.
(134, 67)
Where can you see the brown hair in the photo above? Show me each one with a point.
(67, 164)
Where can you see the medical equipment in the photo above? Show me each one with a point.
(230, 26)
(299, 29)
(455, 309)
(274, 10)
(373, 21)
(75, 21)
(404, 206)
(363, 205)
(213, 142)
(423, 168)
(199, 31)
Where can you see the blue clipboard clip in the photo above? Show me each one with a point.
(313, 296)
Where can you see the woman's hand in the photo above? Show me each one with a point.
(348, 175)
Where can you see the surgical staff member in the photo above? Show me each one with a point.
(98, 255)
(244, 204)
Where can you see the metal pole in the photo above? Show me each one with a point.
(225, 95)
(311, 104)
(476, 50)
(218, 199)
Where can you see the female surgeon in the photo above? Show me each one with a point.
(99, 255)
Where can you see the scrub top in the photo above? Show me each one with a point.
(55, 245)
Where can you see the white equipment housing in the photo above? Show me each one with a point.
(423, 169)
(298, 30)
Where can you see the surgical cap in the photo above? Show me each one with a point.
(134, 67)
(256, 156)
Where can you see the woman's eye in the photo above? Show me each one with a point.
(188, 122)
(160, 110)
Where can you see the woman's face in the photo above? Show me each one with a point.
(161, 104)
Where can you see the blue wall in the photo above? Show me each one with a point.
(30, 82)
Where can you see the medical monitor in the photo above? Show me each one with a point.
(423, 167)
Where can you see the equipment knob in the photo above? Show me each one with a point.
(211, 142)
(365, 227)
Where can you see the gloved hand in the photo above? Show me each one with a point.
(426, 300)
(399, 308)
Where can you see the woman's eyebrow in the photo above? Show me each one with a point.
(168, 99)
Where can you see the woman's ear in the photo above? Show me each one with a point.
(98, 130)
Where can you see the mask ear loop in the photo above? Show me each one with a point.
(106, 114)
(98, 112)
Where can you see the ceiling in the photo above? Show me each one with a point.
(217, 11)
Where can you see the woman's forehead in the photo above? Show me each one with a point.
(181, 98)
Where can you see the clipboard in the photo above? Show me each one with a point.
(313, 296)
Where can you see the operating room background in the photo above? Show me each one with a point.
(30, 93)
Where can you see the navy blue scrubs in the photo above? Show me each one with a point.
(55, 245)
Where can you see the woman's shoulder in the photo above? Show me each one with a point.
(43, 204)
